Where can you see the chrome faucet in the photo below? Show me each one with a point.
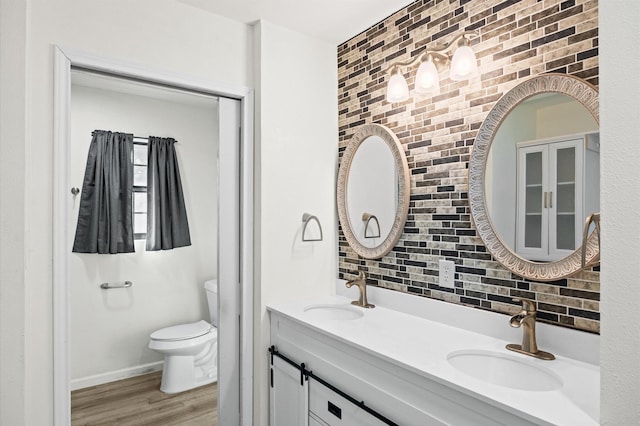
(527, 319)
(361, 282)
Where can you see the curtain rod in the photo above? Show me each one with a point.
(146, 138)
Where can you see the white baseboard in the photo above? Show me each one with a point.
(112, 376)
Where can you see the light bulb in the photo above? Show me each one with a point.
(427, 79)
(464, 65)
(397, 89)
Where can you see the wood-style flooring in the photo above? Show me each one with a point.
(138, 401)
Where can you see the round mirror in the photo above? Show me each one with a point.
(373, 191)
(534, 177)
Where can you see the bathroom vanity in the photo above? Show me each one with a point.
(410, 370)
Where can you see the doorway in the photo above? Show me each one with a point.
(234, 234)
(117, 301)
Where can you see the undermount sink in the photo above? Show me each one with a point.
(333, 312)
(505, 370)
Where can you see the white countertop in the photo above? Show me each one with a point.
(422, 346)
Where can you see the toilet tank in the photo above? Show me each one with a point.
(211, 288)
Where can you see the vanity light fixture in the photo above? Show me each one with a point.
(464, 66)
(397, 89)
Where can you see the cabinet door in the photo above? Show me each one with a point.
(565, 200)
(288, 397)
(333, 410)
(532, 237)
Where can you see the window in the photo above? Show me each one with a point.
(140, 150)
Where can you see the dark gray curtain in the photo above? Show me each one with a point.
(167, 225)
(106, 208)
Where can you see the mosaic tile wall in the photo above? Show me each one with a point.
(518, 39)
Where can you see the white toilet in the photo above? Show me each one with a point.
(190, 350)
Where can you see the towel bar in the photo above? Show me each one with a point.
(108, 286)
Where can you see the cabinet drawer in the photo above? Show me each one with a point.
(334, 410)
(315, 421)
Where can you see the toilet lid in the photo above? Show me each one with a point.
(183, 331)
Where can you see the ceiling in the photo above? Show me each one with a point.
(332, 20)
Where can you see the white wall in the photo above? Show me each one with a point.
(620, 200)
(564, 119)
(162, 34)
(297, 143)
(296, 162)
(517, 127)
(110, 328)
(13, 130)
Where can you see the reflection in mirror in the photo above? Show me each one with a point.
(371, 226)
(534, 177)
(543, 176)
(372, 190)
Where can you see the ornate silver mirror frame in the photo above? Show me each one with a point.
(573, 87)
(402, 207)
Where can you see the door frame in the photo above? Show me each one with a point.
(64, 59)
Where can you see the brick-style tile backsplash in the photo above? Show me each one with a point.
(518, 39)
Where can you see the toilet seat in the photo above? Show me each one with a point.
(182, 331)
(185, 346)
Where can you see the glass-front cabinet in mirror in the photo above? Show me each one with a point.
(534, 176)
(554, 190)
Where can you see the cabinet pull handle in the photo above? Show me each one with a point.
(334, 409)
(544, 199)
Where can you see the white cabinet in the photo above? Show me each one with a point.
(551, 197)
(396, 393)
(315, 421)
(288, 396)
